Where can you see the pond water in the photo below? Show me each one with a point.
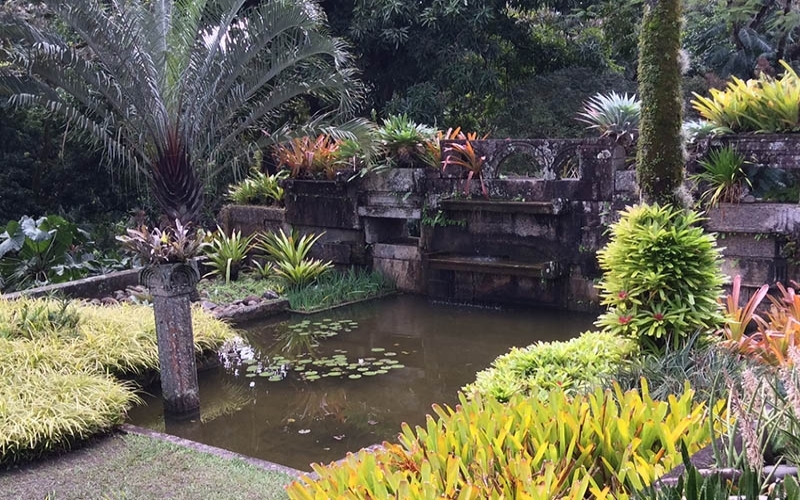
(374, 366)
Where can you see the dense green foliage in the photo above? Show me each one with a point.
(44, 173)
(575, 365)
(56, 362)
(741, 37)
(561, 447)
(661, 277)
(337, 288)
(659, 162)
(452, 63)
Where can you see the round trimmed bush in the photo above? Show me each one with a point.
(661, 278)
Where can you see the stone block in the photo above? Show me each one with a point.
(407, 274)
(749, 245)
(780, 218)
(396, 252)
(755, 272)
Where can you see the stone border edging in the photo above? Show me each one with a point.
(343, 304)
(93, 287)
(243, 314)
(211, 450)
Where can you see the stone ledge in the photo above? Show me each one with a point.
(780, 218)
(249, 313)
(94, 287)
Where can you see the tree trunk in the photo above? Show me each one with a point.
(660, 160)
(172, 286)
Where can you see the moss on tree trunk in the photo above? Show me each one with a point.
(660, 160)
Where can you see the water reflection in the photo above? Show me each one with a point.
(297, 419)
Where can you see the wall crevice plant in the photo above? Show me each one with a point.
(722, 173)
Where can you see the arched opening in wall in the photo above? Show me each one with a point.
(520, 165)
(567, 165)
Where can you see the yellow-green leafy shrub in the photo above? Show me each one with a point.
(661, 277)
(764, 105)
(572, 365)
(606, 444)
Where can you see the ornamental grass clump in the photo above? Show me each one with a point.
(116, 339)
(662, 277)
(57, 367)
(605, 444)
(573, 366)
(45, 410)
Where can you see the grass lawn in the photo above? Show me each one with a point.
(138, 467)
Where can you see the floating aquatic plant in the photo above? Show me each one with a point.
(296, 353)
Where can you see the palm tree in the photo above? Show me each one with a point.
(169, 88)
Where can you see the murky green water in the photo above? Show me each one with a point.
(399, 356)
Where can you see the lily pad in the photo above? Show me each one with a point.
(354, 376)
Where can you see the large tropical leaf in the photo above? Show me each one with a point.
(170, 88)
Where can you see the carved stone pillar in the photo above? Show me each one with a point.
(172, 286)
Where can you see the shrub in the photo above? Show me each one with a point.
(777, 329)
(55, 366)
(661, 278)
(574, 365)
(289, 252)
(606, 444)
(764, 105)
(226, 253)
(43, 410)
(115, 339)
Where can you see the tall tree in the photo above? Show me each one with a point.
(660, 161)
(169, 88)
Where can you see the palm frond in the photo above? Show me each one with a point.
(170, 87)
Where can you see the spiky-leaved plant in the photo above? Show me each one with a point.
(168, 88)
(613, 115)
(661, 278)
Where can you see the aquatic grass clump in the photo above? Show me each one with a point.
(44, 410)
(338, 288)
(575, 365)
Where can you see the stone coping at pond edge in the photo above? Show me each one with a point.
(212, 450)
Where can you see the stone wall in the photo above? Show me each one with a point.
(554, 218)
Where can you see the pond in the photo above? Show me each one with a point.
(374, 366)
